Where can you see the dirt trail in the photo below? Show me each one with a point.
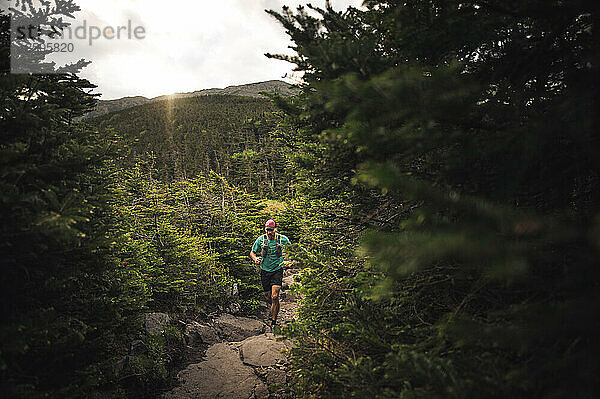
(244, 359)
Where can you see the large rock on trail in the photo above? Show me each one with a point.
(196, 334)
(263, 350)
(235, 328)
(221, 375)
(236, 370)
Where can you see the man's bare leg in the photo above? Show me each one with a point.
(275, 301)
(268, 295)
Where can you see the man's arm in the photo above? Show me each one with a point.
(256, 259)
(255, 247)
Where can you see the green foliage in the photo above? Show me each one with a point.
(188, 240)
(468, 131)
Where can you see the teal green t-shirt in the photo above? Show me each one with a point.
(271, 262)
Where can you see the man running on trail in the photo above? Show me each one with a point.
(270, 247)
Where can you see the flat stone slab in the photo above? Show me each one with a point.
(263, 350)
(222, 375)
(237, 328)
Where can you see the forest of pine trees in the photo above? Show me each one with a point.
(437, 174)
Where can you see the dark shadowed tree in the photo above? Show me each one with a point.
(476, 121)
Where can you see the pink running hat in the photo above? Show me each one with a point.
(270, 224)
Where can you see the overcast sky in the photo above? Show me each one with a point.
(189, 44)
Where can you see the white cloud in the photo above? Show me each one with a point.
(189, 45)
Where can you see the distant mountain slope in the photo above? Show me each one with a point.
(236, 136)
(246, 90)
(107, 106)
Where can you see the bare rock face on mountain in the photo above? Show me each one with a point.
(107, 106)
(246, 90)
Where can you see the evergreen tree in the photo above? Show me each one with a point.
(475, 122)
(69, 305)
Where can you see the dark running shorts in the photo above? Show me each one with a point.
(269, 279)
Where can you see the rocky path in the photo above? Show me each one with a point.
(244, 359)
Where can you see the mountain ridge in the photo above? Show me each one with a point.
(246, 90)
